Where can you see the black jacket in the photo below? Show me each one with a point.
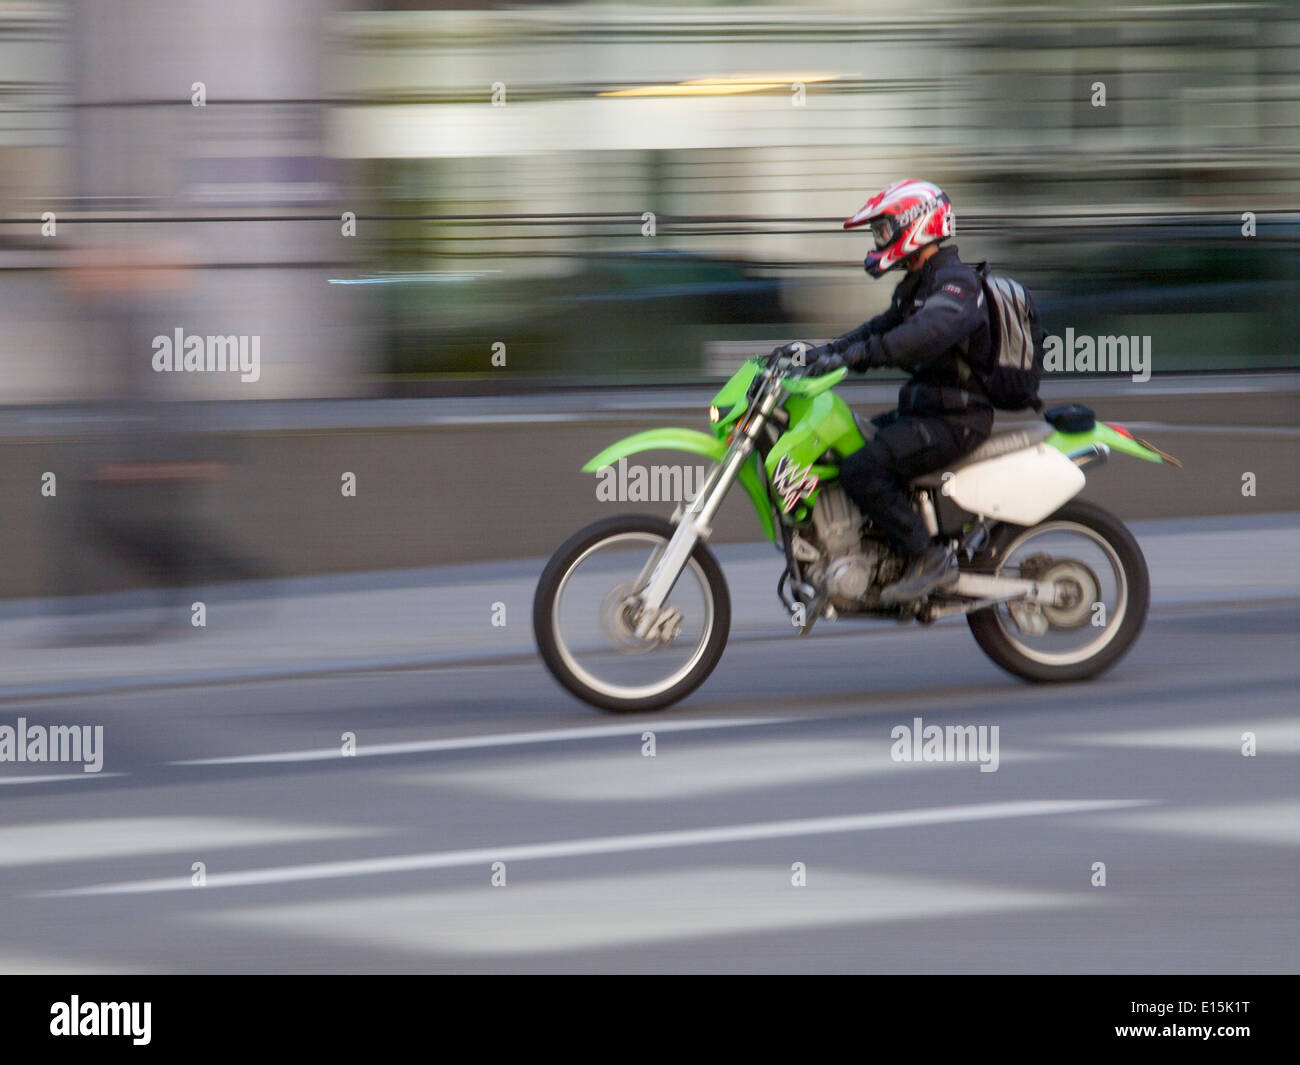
(935, 327)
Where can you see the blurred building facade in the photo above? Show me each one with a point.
(515, 168)
(186, 138)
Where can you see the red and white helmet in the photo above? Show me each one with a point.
(904, 218)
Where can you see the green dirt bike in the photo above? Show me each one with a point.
(632, 613)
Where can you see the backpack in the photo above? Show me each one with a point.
(1016, 344)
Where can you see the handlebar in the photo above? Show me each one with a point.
(776, 364)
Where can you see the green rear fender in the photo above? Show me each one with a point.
(1101, 433)
(710, 447)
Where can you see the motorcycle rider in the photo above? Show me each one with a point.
(935, 327)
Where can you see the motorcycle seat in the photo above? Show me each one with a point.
(1013, 438)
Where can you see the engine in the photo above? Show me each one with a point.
(847, 563)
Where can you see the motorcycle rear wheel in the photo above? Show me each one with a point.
(1032, 657)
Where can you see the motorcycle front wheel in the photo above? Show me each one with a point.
(585, 617)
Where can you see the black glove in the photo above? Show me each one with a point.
(820, 355)
(827, 362)
(866, 355)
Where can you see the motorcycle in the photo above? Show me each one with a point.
(632, 613)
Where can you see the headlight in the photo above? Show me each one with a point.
(713, 414)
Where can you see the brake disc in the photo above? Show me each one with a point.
(1077, 589)
(620, 613)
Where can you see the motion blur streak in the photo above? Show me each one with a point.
(470, 249)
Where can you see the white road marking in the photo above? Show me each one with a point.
(591, 913)
(1275, 824)
(14, 964)
(50, 778)
(43, 842)
(503, 739)
(1272, 736)
(571, 848)
(712, 769)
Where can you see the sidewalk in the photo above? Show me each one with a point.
(444, 615)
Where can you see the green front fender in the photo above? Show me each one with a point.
(671, 439)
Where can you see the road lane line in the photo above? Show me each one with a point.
(113, 838)
(50, 778)
(1275, 736)
(1265, 822)
(691, 771)
(609, 910)
(576, 848)
(504, 739)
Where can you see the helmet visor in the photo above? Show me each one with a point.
(883, 230)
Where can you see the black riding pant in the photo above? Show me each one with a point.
(905, 446)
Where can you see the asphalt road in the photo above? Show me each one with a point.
(684, 861)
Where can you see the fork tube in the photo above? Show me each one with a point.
(696, 523)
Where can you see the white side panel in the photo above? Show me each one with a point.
(1023, 487)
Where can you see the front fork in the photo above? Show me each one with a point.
(695, 523)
